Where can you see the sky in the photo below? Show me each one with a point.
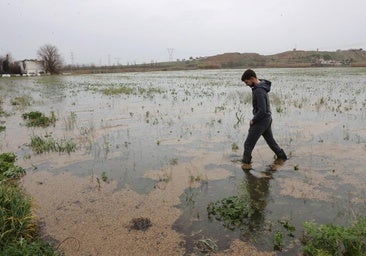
(109, 32)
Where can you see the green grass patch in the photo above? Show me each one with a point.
(150, 91)
(7, 168)
(22, 101)
(28, 248)
(132, 90)
(2, 128)
(3, 113)
(16, 220)
(119, 90)
(233, 211)
(18, 228)
(234, 146)
(335, 240)
(36, 118)
(43, 145)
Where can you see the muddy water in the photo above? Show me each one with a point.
(166, 150)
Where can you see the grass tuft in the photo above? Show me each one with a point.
(36, 118)
(40, 145)
(335, 240)
(7, 168)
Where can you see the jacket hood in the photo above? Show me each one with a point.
(264, 84)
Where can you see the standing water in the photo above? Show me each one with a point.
(165, 145)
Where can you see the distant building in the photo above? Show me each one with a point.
(323, 62)
(31, 67)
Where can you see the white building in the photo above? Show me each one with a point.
(32, 67)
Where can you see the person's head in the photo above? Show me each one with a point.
(249, 77)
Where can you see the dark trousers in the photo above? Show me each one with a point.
(263, 128)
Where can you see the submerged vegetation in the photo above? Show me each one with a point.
(238, 212)
(21, 101)
(234, 211)
(42, 145)
(131, 90)
(36, 118)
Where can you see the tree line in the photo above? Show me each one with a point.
(48, 55)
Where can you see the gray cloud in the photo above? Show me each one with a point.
(142, 30)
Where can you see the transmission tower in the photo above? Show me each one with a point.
(170, 53)
(72, 58)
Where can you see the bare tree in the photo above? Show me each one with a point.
(51, 58)
(6, 63)
(1, 64)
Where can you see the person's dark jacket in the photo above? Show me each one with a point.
(260, 100)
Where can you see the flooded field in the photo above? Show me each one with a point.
(164, 145)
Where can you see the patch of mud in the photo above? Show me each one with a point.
(91, 217)
(240, 248)
(99, 218)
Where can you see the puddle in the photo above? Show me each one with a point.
(166, 152)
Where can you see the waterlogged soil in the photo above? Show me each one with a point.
(160, 145)
(91, 219)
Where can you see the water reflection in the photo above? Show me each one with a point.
(258, 184)
(258, 188)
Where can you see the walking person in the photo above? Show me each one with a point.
(260, 124)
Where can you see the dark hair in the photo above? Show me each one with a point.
(248, 74)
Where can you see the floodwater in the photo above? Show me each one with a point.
(164, 142)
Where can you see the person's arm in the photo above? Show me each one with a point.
(261, 111)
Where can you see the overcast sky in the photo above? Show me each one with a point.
(121, 31)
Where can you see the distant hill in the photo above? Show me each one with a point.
(295, 58)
